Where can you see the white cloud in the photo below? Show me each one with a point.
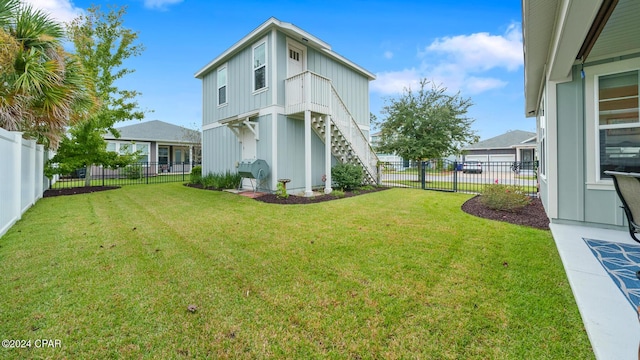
(61, 10)
(482, 51)
(460, 63)
(388, 54)
(160, 4)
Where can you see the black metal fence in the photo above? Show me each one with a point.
(139, 173)
(454, 176)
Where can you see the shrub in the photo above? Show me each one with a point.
(281, 191)
(347, 176)
(226, 180)
(196, 175)
(133, 172)
(337, 194)
(504, 197)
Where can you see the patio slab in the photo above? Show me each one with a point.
(610, 320)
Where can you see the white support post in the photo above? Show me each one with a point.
(307, 153)
(327, 154)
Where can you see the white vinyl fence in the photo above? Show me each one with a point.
(22, 179)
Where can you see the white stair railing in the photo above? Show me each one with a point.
(321, 97)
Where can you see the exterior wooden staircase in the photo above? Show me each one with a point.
(309, 91)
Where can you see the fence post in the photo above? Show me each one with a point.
(423, 174)
(147, 172)
(455, 176)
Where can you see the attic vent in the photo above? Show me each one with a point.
(294, 55)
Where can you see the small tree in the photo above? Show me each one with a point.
(102, 44)
(426, 124)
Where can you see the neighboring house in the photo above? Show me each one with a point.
(394, 161)
(582, 62)
(284, 96)
(163, 146)
(513, 146)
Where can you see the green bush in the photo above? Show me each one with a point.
(133, 172)
(337, 194)
(281, 191)
(347, 176)
(196, 175)
(221, 181)
(504, 197)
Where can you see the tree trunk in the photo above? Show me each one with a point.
(87, 176)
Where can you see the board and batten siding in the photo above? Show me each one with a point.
(221, 150)
(291, 159)
(575, 201)
(240, 95)
(352, 87)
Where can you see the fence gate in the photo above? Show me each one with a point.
(453, 176)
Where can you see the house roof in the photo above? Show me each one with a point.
(157, 130)
(554, 32)
(507, 140)
(292, 31)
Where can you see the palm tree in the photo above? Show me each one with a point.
(42, 90)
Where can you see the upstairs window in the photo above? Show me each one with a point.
(260, 66)
(222, 86)
(618, 122)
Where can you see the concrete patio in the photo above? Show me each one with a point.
(610, 320)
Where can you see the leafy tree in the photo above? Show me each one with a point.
(102, 44)
(42, 88)
(426, 124)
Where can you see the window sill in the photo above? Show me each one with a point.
(259, 91)
(601, 185)
(223, 105)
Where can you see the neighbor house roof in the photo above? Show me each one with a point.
(292, 31)
(507, 140)
(157, 130)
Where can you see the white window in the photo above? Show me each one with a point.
(260, 66)
(124, 148)
(542, 137)
(222, 85)
(612, 121)
(144, 152)
(618, 122)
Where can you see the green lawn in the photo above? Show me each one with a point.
(395, 274)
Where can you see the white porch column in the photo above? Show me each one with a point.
(307, 153)
(327, 154)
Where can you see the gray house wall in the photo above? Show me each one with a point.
(221, 148)
(575, 201)
(240, 97)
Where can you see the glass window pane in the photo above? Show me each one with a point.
(259, 56)
(111, 146)
(618, 98)
(260, 78)
(620, 150)
(222, 77)
(222, 95)
(125, 149)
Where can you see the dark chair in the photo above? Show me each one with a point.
(628, 189)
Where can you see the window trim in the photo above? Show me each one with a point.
(592, 75)
(543, 153)
(133, 145)
(255, 91)
(226, 85)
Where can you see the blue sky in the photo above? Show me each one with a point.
(470, 46)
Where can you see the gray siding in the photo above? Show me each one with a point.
(291, 154)
(240, 97)
(352, 87)
(263, 149)
(575, 201)
(220, 150)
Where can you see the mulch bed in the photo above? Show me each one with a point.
(292, 199)
(77, 190)
(532, 215)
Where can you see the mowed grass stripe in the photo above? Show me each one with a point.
(394, 274)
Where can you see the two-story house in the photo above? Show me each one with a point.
(284, 96)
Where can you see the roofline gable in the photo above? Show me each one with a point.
(289, 29)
